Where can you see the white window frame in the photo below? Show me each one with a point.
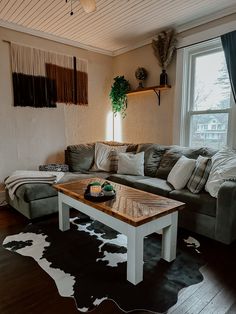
(189, 55)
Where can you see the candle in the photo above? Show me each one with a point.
(95, 190)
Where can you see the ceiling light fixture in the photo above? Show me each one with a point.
(88, 5)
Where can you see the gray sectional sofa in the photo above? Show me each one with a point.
(208, 216)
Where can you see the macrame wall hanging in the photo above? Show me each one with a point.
(43, 79)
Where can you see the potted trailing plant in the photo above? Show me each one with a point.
(164, 48)
(118, 95)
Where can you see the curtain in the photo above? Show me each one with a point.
(43, 79)
(229, 46)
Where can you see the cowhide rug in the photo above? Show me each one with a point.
(88, 262)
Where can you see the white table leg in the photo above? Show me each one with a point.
(134, 257)
(169, 239)
(64, 215)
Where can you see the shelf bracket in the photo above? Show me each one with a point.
(158, 93)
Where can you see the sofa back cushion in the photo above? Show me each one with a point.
(168, 160)
(172, 155)
(152, 157)
(80, 157)
(130, 147)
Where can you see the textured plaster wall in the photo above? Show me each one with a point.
(29, 136)
(145, 120)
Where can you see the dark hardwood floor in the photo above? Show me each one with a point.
(26, 288)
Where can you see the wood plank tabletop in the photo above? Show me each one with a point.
(131, 205)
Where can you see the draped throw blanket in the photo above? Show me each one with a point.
(42, 78)
(20, 177)
(229, 46)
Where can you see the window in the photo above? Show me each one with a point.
(207, 96)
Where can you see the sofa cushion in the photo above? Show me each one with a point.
(128, 180)
(168, 160)
(154, 185)
(195, 152)
(201, 203)
(172, 155)
(69, 176)
(97, 174)
(35, 191)
(152, 157)
(132, 148)
(80, 157)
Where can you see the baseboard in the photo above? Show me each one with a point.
(2, 198)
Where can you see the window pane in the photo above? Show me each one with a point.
(209, 130)
(211, 82)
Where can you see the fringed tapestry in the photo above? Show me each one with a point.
(42, 78)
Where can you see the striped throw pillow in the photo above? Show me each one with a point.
(113, 157)
(200, 175)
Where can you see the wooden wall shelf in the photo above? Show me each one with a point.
(156, 89)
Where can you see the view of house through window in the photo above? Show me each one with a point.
(209, 97)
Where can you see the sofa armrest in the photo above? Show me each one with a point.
(226, 213)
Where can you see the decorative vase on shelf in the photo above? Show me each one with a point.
(141, 75)
(140, 84)
(163, 78)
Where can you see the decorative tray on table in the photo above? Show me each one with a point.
(107, 192)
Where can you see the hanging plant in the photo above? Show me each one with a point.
(118, 95)
(164, 47)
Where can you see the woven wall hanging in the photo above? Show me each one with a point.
(43, 79)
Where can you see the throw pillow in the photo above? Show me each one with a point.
(102, 161)
(200, 175)
(181, 172)
(152, 157)
(223, 168)
(113, 155)
(132, 164)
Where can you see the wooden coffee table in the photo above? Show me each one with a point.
(133, 213)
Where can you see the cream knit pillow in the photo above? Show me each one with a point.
(181, 172)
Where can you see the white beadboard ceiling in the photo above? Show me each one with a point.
(115, 26)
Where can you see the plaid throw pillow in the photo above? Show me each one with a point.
(200, 175)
